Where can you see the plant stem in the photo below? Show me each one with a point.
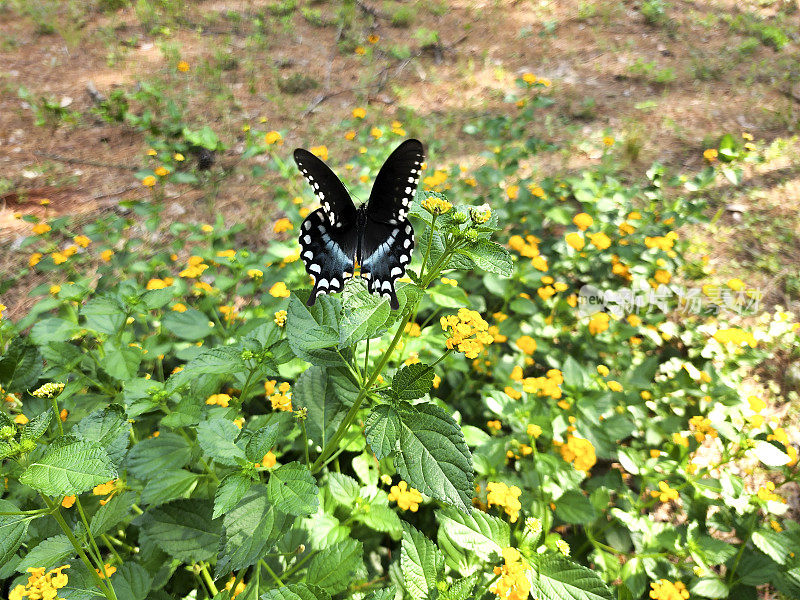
(272, 574)
(207, 576)
(92, 544)
(107, 592)
(305, 441)
(111, 548)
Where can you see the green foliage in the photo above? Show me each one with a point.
(214, 430)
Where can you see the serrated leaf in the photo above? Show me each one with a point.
(363, 315)
(184, 529)
(13, 529)
(333, 567)
(326, 394)
(72, 466)
(131, 582)
(37, 426)
(574, 507)
(421, 562)
(111, 513)
(152, 456)
(190, 324)
(121, 362)
(52, 552)
(559, 578)
(108, 427)
(262, 441)
(222, 360)
(710, 587)
(777, 545)
(293, 490)
(382, 430)
(168, 486)
(250, 530)
(217, 439)
(388, 593)
(489, 256)
(770, 454)
(20, 366)
(433, 455)
(229, 492)
(52, 330)
(103, 315)
(475, 531)
(313, 332)
(413, 381)
(296, 591)
(381, 518)
(343, 488)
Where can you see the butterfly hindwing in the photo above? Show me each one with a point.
(396, 183)
(385, 253)
(330, 191)
(327, 253)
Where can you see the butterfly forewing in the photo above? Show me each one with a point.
(396, 183)
(330, 191)
(327, 253)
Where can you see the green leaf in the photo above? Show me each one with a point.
(103, 315)
(326, 394)
(154, 299)
(112, 513)
(462, 588)
(293, 490)
(121, 362)
(70, 466)
(13, 529)
(36, 427)
(777, 545)
(184, 529)
(388, 593)
(155, 455)
(222, 360)
(229, 492)
(190, 324)
(262, 441)
(20, 366)
(343, 488)
(770, 454)
(313, 333)
(131, 582)
(710, 587)
(363, 315)
(433, 455)
(297, 591)
(574, 374)
(333, 567)
(489, 256)
(561, 579)
(574, 507)
(382, 430)
(250, 530)
(421, 562)
(52, 330)
(474, 531)
(52, 552)
(217, 439)
(413, 381)
(108, 427)
(169, 485)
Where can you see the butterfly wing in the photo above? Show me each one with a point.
(396, 183)
(388, 238)
(329, 235)
(327, 253)
(330, 191)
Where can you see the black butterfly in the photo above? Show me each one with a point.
(377, 235)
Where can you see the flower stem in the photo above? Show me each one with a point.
(208, 579)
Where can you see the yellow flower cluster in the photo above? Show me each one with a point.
(159, 284)
(282, 399)
(279, 290)
(282, 225)
(436, 206)
(407, 498)
(701, 426)
(527, 344)
(583, 221)
(468, 332)
(41, 585)
(767, 492)
(219, 400)
(505, 496)
(280, 318)
(513, 583)
(545, 386)
(529, 248)
(666, 590)
(598, 322)
(579, 452)
(664, 493)
(736, 336)
(435, 180)
(665, 242)
(195, 268)
(49, 390)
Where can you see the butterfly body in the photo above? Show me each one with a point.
(377, 235)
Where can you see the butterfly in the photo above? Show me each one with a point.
(377, 235)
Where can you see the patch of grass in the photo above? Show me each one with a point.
(650, 71)
(282, 9)
(297, 83)
(771, 35)
(313, 16)
(403, 16)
